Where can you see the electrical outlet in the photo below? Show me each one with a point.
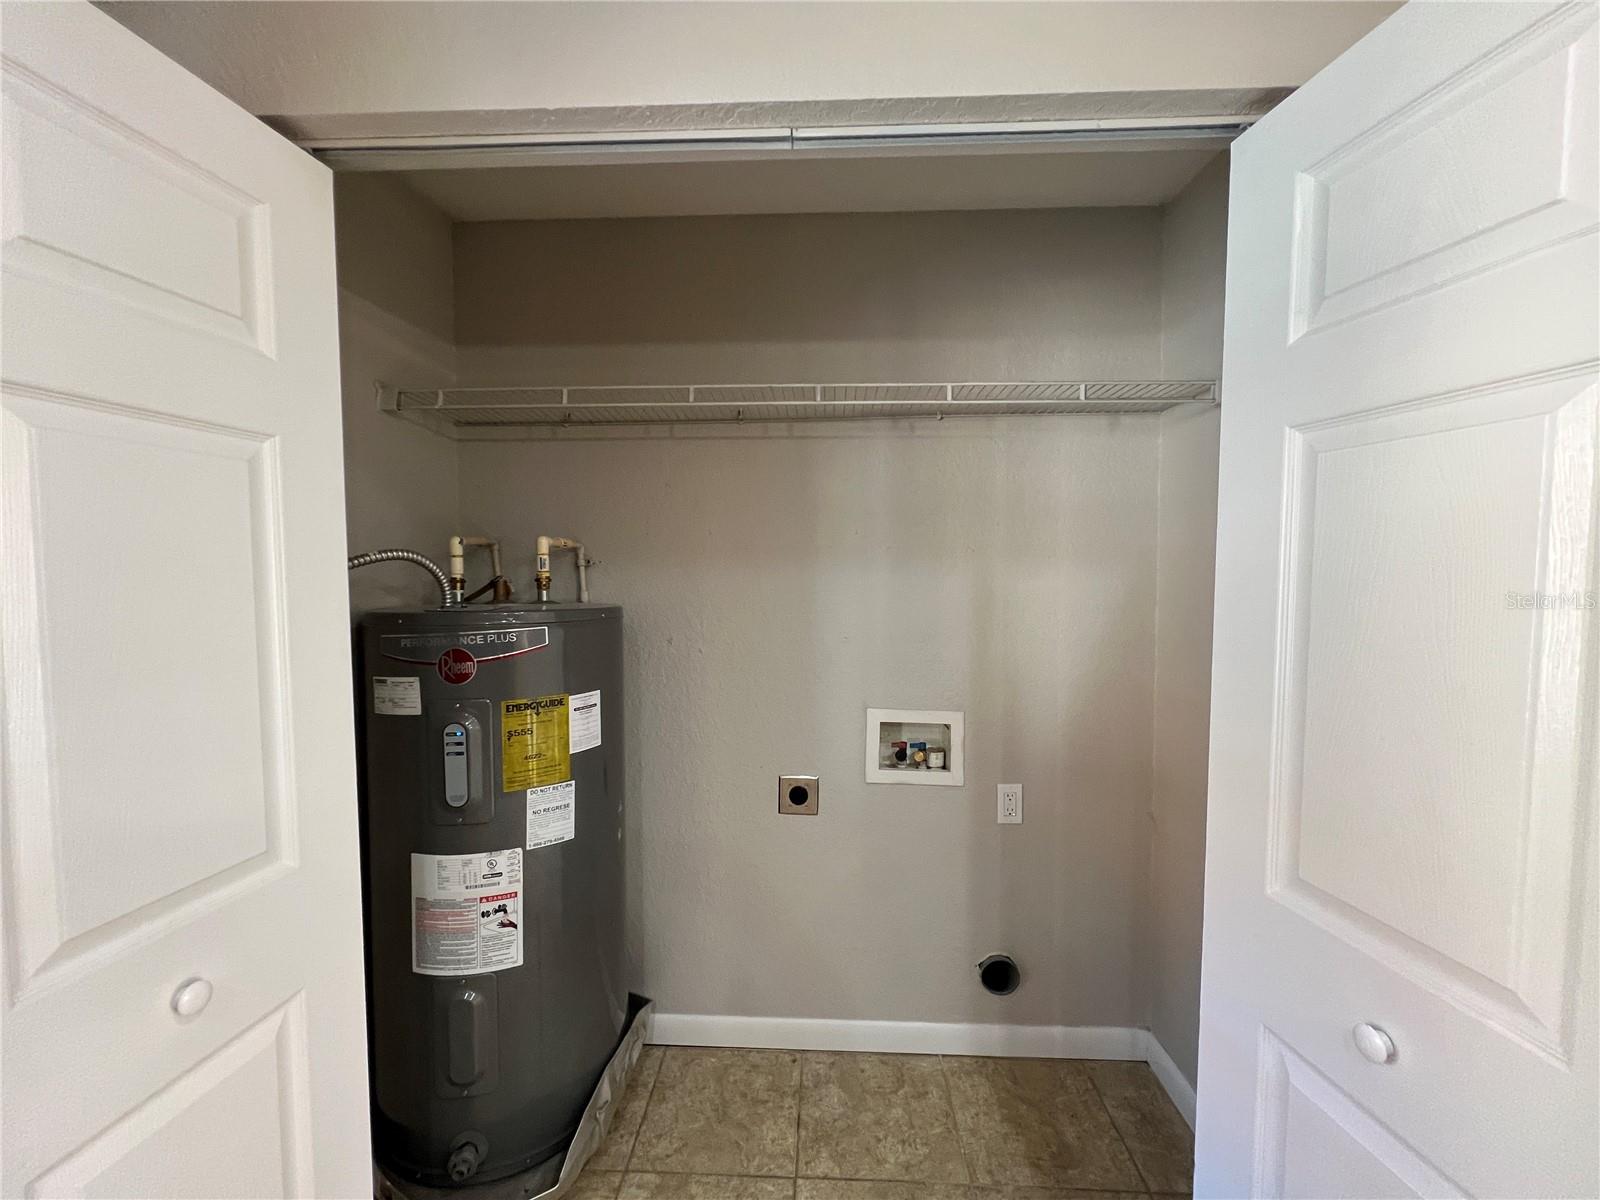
(1010, 804)
(798, 795)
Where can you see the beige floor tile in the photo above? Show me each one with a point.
(641, 1186)
(614, 1151)
(856, 1189)
(879, 1189)
(595, 1185)
(877, 1116)
(1039, 1193)
(1155, 1132)
(721, 1112)
(1036, 1122)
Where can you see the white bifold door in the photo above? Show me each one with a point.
(1399, 970)
(182, 996)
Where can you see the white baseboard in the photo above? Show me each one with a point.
(901, 1037)
(1166, 1071)
(928, 1037)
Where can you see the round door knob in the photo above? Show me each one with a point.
(1375, 1045)
(191, 997)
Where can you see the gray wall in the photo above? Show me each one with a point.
(396, 324)
(777, 586)
(873, 297)
(1193, 252)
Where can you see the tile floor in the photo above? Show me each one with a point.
(698, 1124)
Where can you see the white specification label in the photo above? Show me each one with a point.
(466, 912)
(552, 814)
(583, 721)
(397, 695)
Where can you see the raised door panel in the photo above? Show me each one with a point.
(102, 839)
(256, 1082)
(63, 162)
(1430, 801)
(1317, 1142)
(1374, 227)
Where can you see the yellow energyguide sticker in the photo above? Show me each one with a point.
(533, 743)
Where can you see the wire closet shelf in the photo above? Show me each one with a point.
(495, 412)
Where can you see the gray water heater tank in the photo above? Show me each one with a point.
(492, 826)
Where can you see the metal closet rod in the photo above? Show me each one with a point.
(820, 137)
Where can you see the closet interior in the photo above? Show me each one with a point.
(929, 427)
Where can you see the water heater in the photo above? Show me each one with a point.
(493, 826)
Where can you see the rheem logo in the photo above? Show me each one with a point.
(457, 665)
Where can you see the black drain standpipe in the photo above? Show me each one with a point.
(999, 975)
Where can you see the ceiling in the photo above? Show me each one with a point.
(1035, 178)
(336, 69)
(389, 78)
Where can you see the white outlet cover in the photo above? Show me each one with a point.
(1008, 803)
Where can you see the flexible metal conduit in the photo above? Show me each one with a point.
(446, 595)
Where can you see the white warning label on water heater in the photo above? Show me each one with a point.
(466, 912)
(396, 695)
(583, 721)
(552, 814)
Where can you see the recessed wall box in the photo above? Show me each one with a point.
(798, 794)
(915, 745)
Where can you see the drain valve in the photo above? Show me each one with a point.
(466, 1154)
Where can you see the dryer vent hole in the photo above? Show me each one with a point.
(999, 975)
